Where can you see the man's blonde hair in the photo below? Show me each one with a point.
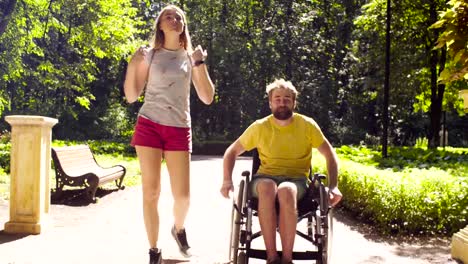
(281, 84)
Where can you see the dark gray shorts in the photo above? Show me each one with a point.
(301, 183)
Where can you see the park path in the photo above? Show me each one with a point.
(111, 231)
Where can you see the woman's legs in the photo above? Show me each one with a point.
(178, 165)
(150, 166)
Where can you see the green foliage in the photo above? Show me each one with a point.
(454, 22)
(5, 146)
(59, 58)
(67, 60)
(413, 69)
(414, 191)
(421, 143)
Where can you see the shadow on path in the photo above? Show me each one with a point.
(421, 247)
(77, 197)
(7, 238)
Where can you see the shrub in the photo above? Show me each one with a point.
(412, 192)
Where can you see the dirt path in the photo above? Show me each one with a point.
(111, 231)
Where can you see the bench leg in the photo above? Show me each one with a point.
(119, 183)
(58, 187)
(91, 189)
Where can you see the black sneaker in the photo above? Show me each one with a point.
(155, 256)
(181, 239)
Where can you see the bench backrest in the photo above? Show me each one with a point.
(74, 159)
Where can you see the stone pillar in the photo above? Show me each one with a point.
(460, 245)
(464, 96)
(31, 138)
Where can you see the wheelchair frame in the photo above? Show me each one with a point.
(313, 206)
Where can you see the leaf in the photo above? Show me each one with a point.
(438, 24)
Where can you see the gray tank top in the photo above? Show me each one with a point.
(167, 94)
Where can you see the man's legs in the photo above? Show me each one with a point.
(266, 190)
(287, 198)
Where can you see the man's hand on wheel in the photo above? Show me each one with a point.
(335, 196)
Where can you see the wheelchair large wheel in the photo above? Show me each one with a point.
(325, 239)
(236, 223)
(324, 228)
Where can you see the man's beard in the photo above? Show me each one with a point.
(282, 113)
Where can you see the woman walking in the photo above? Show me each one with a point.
(163, 128)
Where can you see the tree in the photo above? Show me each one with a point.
(54, 52)
(454, 38)
(412, 80)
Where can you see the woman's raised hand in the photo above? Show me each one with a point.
(140, 54)
(198, 55)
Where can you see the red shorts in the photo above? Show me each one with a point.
(151, 134)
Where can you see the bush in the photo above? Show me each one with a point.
(412, 192)
(5, 157)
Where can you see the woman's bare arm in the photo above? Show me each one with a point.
(201, 78)
(136, 75)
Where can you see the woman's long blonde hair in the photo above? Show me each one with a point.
(157, 39)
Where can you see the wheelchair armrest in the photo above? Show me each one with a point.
(246, 173)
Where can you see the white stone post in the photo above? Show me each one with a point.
(459, 248)
(31, 138)
(464, 96)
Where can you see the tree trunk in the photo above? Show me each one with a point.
(437, 61)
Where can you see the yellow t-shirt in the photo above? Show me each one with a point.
(283, 150)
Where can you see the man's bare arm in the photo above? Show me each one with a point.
(329, 153)
(229, 160)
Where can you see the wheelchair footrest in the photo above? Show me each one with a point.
(297, 255)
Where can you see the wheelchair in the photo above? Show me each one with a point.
(313, 207)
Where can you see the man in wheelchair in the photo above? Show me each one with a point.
(284, 141)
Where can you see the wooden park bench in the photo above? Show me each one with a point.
(76, 166)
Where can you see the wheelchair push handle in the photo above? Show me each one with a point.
(320, 176)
